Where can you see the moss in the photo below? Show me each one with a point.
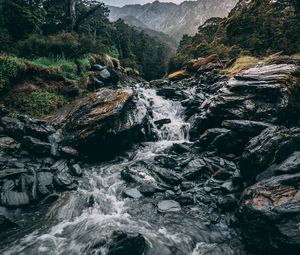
(38, 103)
(242, 63)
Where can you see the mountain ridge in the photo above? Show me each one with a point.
(172, 19)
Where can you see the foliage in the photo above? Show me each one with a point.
(257, 28)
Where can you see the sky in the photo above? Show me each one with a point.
(124, 2)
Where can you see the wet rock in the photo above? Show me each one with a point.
(6, 223)
(133, 193)
(185, 198)
(64, 181)
(9, 144)
(38, 129)
(49, 199)
(14, 199)
(166, 206)
(180, 148)
(147, 189)
(273, 145)
(186, 185)
(11, 172)
(161, 122)
(194, 169)
(13, 127)
(169, 93)
(76, 170)
(166, 161)
(167, 176)
(265, 93)
(246, 127)
(228, 203)
(69, 152)
(290, 165)
(36, 146)
(60, 166)
(45, 183)
(8, 185)
(222, 175)
(107, 118)
(127, 243)
(211, 134)
(269, 215)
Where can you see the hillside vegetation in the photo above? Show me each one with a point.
(257, 28)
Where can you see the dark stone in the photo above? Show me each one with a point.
(69, 152)
(166, 161)
(36, 146)
(50, 199)
(269, 215)
(228, 203)
(194, 169)
(38, 129)
(8, 185)
(133, 193)
(64, 181)
(60, 166)
(76, 170)
(290, 165)
(147, 189)
(185, 198)
(273, 145)
(6, 223)
(246, 127)
(9, 144)
(187, 185)
(13, 127)
(180, 148)
(160, 123)
(11, 172)
(45, 183)
(127, 243)
(166, 206)
(14, 199)
(110, 119)
(222, 175)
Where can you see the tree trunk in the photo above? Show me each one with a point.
(71, 14)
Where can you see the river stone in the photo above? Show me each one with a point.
(106, 118)
(166, 206)
(8, 144)
(76, 170)
(6, 223)
(269, 215)
(60, 166)
(13, 127)
(127, 243)
(8, 185)
(13, 198)
(45, 182)
(273, 145)
(147, 189)
(290, 165)
(10, 172)
(133, 193)
(36, 145)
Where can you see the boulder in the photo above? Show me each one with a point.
(268, 93)
(10, 172)
(8, 144)
(273, 145)
(290, 165)
(13, 127)
(14, 199)
(127, 243)
(104, 123)
(133, 193)
(269, 215)
(36, 145)
(166, 206)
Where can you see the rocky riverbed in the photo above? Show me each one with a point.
(204, 165)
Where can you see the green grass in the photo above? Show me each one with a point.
(38, 103)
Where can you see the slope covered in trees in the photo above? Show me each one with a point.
(256, 27)
(72, 29)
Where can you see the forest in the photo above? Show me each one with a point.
(71, 30)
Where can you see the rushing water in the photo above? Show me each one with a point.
(80, 221)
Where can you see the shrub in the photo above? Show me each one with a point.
(10, 67)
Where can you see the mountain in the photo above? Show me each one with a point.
(172, 19)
